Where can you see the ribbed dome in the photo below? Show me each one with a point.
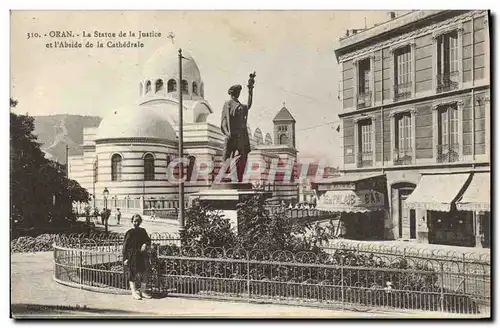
(135, 122)
(164, 63)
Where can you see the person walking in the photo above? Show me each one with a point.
(136, 259)
(118, 216)
(153, 213)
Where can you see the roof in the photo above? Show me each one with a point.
(384, 32)
(355, 177)
(284, 116)
(136, 122)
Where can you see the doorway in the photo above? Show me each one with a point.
(407, 226)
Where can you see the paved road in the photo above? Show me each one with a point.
(35, 294)
(158, 225)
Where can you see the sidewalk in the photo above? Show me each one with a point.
(415, 245)
(35, 294)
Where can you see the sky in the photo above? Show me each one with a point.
(292, 53)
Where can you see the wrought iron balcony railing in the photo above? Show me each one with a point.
(364, 99)
(403, 156)
(365, 159)
(447, 81)
(402, 91)
(447, 153)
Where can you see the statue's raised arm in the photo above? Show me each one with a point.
(251, 82)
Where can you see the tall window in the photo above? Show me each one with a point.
(96, 168)
(190, 167)
(158, 85)
(171, 85)
(403, 138)
(448, 147)
(364, 78)
(365, 156)
(283, 139)
(403, 72)
(185, 86)
(148, 86)
(116, 167)
(195, 88)
(149, 167)
(447, 62)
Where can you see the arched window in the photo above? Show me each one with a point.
(158, 85)
(283, 139)
(213, 175)
(195, 88)
(185, 86)
(172, 85)
(116, 167)
(141, 88)
(190, 167)
(96, 167)
(202, 91)
(149, 167)
(148, 86)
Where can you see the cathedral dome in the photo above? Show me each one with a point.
(165, 62)
(136, 122)
(160, 75)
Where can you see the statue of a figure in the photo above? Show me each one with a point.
(234, 126)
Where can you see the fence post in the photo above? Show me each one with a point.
(342, 278)
(442, 288)
(248, 275)
(81, 269)
(465, 273)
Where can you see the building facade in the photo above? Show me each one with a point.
(416, 109)
(130, 151)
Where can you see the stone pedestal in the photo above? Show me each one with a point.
(225, 197)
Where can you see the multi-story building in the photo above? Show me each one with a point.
(416, 123)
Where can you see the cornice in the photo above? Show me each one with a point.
(404, 110)
(449, 23)
(459, 103)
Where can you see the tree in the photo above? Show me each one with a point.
(207, 228)
(257, 228)
(40, 193)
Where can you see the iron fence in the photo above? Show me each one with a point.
(447, 81)
(341, 277)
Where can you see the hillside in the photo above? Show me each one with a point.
(56, 131)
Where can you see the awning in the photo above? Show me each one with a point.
(351, 201)
(477, 197)
(437, 192)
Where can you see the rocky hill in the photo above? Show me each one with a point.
(56, 131)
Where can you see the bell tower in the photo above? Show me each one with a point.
(284, 128)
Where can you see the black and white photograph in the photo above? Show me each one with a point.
(250, 164)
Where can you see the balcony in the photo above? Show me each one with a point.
(402, 91)
(447, 82)
(403, 156)
(447, 153)
(365, 159)
(364, 99)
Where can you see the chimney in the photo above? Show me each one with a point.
(392, 14)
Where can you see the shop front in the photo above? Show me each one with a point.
(437, 194)
(475, 202)
(361, 202)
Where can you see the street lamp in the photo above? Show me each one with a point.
(105, 194)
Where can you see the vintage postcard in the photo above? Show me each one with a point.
(250, 164)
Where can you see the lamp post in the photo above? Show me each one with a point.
(181, 146)
(105, 194)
